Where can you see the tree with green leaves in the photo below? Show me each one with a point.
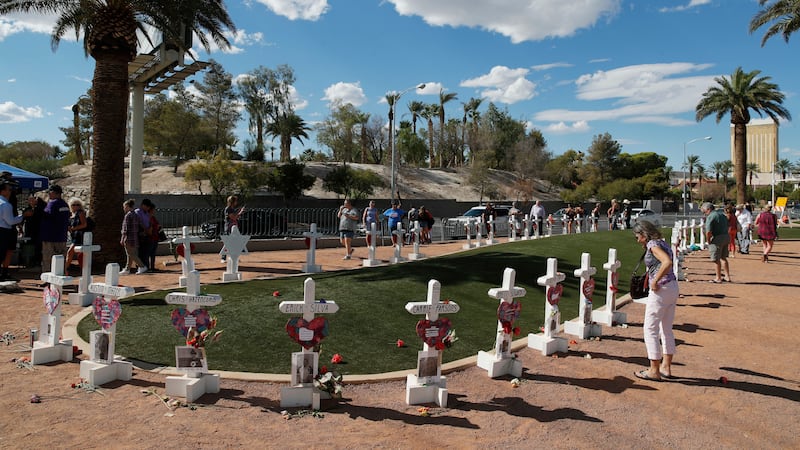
(782, 15)
(479, 177)
(290, 180)
(355, 184)
(173, 127)
(601, 162)
(470, 112)
(783, 166)
(736, 96)
(267, 97)
(751, 169)
(218, 105)
(443, 98)
(430, 111)
(338, 131)
(410, 146)
(415, 107)
(109, 29)
(286, 128)
(226, 177)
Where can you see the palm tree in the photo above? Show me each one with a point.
(783, 166)
(692, 163)
(415, 107)
(362, 119)
(430, 111)
(701, 173)
(784, 16)
(751, 169)
(109, 29)
(287, 127)
(470, 111)
(391, 99)
(717, 168)
(443, 98)
(737, 96)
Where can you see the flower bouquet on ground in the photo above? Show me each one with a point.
(330, 382)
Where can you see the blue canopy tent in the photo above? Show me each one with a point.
(27, 180)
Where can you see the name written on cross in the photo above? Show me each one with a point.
(441, 308)
(316, 308)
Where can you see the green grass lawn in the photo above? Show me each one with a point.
(371, 316)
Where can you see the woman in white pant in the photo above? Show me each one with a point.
(660, 311)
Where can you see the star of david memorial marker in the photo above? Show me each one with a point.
(234, 246)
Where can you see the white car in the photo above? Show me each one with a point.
(649, 215)
(456, 224)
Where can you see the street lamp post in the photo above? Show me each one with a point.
(685, 165)
(391, 133)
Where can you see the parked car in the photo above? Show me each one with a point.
(793, 212)
(257, 223)
(456, 224)
(649, 215)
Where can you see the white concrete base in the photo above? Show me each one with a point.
(79, 299)
(302, 396)
(396, 259)
(602, 316)
(98, 374)
(468, 246)
(312, 268)
(371, 262)
(418, 394)
(577, 328)
(416, 256)
(499, 367)
(42, 353)
(492, 241)
(192, 388)
(546, 345)
(237, 276)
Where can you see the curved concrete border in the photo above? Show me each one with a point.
(70, 331)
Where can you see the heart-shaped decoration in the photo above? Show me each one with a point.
(51, 298)
(105, 312)
(308, 242)
(432, 332)
(369, 239)
(182, 320)
(508, 312)
(588, 289)
(554, 294)
(307, 333)
(181, 249)
(614, 281)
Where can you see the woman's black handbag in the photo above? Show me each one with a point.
(640, 286)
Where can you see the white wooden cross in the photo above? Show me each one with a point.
(416, 255)
(192, 298)
(506, 294)
(98, 371)
(578, 223)
(372, 240)
(49, 347)
(187, 265)
(311, 236)
(468, 229)
(677, 252)
(547, 342)
(308, 307)
(398, 245)
(234, 245)
(585, 273)
(702, 229)
(512, 229)
(478, 231)
(526, 234)
(692, 229)
(607, 315)
(490, 235)
(83, 297)
(432, 387)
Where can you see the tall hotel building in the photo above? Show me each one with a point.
(762, 144)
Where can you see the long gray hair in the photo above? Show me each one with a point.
(647, 229)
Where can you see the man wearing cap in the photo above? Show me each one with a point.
(55, 222)
(716, 229)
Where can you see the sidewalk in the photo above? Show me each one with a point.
(737, 380)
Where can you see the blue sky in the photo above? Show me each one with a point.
(571, 68)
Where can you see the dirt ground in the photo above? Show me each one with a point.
(737, 382)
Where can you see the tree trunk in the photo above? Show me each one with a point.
(740, 161)
(110, 106)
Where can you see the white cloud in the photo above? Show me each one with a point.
(692, 4)
(37, 23)
(580, 126)
(297, 9)
(12, 113)
(11, 80)
(345, 93)
(557, 65)
(504, 85)
(531, 20)
(653, 93)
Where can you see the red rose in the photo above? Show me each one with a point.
(337, 358)
(323, 370)
(400, 343)
(516, 331)
(276, 294)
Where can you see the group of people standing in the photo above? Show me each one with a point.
(140, 235)
(349, 218)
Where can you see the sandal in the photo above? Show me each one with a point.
(643, 375)
(715, 281)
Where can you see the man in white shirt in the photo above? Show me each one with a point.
(745, 219)
(8, 229)
(538, 215)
